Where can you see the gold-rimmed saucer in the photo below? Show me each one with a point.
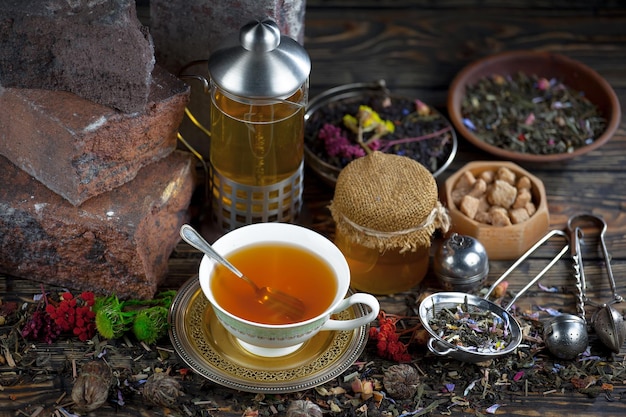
(207, 348)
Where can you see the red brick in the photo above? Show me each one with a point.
(118, 242)
(80, 149)
(97, 50)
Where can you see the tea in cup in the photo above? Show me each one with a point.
(289, 258)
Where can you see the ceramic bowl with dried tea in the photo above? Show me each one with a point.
(500, 204)
(533, 106)
(346, 122)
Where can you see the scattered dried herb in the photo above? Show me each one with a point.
(444, 386)
(529, 114)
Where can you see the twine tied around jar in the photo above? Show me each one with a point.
(387, 201)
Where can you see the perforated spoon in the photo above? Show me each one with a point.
(280, 302)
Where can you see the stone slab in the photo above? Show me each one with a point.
(97, 50)
(185, 31)
(118, 242)
(80, 149)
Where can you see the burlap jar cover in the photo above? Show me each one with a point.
(388, 202)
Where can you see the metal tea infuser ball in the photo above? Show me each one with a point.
(461, 263)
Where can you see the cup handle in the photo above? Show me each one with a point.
(358, 298)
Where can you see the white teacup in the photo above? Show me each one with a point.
(278, 340)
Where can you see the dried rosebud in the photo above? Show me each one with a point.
(543, 84)
(365, 388)
(500, 289)
(91, 388)
(161, 389)
(498, 79)
(401, 381)
(422, 296)
(303, 408)
(421, 337)
(422, 108)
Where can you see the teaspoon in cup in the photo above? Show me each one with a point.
(274, 299)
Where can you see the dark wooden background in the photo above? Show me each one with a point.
(418, 47)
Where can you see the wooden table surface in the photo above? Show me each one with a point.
(417, 47)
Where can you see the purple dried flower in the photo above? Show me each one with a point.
(41, 327)
(469, 124)
(337, 144)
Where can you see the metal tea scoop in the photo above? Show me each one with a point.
(607, 322)
(277, 300)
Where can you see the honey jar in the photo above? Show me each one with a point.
(386, 210)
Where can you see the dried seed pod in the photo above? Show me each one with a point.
(91, 388)
(303, 408)
(161, 389)
(401, 381)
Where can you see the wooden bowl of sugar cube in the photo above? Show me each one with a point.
(500, 204)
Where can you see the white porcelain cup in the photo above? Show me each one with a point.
(278, 340)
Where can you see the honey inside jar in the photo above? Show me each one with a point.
(290, 269)
(385, 272)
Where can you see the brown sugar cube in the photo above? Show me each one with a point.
(502, 194)
(530, 208)
(462, 187)
(523, 183)
(479, 188)
(505, 174)
(487, 176)
(457, 195)
(466, 181)
(469, 206)
(518, 215)
(523, 198)
(483, 217)
(499, 216)
(484, 203)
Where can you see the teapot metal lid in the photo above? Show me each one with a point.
(263, 64)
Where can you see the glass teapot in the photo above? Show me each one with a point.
(259, 90)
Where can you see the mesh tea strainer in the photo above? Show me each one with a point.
(433, 305)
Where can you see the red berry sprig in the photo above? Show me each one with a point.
(388, 344)
(69, 315)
